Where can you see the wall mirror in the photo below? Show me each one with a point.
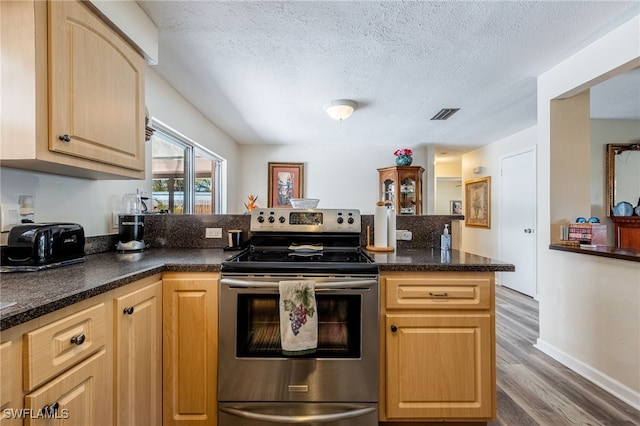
(623, 174)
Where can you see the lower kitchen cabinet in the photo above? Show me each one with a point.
(190, 358)
(7, 394)
(74, 398)
(437, 347)
(97, 362)
(138, 356)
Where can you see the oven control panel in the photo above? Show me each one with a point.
(305, 220)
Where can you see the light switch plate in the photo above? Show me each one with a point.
(213, 233)
(9, 217)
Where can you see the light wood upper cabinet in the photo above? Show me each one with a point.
(138, 356)
(437, 346)
(73, 93)
(190, 357)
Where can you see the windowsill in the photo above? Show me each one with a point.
(602, 251)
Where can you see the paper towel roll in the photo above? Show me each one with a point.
(380, 227)
(391, 224)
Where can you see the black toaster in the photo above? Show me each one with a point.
(34, 244)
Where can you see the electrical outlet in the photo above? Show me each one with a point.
(115, 220)
(213, 233)
(403, 235)
(9, 217)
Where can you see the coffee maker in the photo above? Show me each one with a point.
(131, 224)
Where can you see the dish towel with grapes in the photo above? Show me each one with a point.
(298, 317)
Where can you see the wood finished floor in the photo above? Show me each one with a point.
(533, 388)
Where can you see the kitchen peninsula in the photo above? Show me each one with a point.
(84, 292)
(39, 293)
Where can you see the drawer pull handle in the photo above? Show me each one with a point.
(51, 410)
(394, 328)
(432, 294)
(128, 311)
(79, 339)
(65, 138)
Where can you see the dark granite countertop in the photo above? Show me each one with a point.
(602, 251)
(39, 293)
(437, 260)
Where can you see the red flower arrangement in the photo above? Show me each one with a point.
(403, 151)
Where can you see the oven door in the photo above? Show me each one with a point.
(344, 367)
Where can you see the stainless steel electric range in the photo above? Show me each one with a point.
(336, 384)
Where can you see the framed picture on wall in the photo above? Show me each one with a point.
(285, 182)
(455, 207)
(477, 202)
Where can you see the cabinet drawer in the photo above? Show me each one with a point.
(438, 293)
(55, 347)
(76, 397)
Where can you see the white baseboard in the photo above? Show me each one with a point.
(614, 387)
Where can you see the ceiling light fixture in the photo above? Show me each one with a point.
(340, 109)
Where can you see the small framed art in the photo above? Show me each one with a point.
(285, 182)
(477, 202)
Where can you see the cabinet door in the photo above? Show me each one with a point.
(8, 373)
(190, 326)
(96, 83)
(439, 366)
(138, 356)
(75, 398)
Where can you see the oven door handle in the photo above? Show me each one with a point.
(321, 285)
(245, 412)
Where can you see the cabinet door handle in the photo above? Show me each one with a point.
(128, 311)
(79, 339)
(52, 409)
(394, 328)
(432, 294)
(65, 138)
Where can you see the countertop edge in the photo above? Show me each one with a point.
(29, 311)
(602, 251)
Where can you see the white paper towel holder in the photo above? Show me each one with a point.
(374, 248)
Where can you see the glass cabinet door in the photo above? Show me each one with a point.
(388, 191)
(408, 196)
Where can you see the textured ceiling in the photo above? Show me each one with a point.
(261, 70)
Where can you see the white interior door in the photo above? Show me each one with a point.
(518, 220)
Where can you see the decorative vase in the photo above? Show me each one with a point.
(403, 160)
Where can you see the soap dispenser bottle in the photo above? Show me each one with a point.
(445, 238)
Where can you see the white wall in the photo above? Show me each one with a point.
(448, 185)
(447, 190)
(341, 176)
(484, 241)
(88, 202)
(589, 306)
(169, 107)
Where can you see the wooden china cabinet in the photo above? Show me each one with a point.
(402, 186)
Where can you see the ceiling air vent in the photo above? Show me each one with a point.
(445, 113)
